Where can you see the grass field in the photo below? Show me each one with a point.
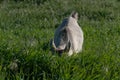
(26, 27)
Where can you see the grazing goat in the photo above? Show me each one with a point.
(68, 36)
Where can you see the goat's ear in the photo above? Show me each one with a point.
(74, 15)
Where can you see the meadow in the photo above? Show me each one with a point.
(26, 27)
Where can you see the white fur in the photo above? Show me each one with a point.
(75, 35)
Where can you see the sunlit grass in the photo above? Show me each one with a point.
(26, 28)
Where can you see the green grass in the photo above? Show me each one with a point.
(26, 28)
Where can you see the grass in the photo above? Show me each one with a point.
(26, 28)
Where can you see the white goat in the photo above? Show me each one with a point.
(68, 36)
